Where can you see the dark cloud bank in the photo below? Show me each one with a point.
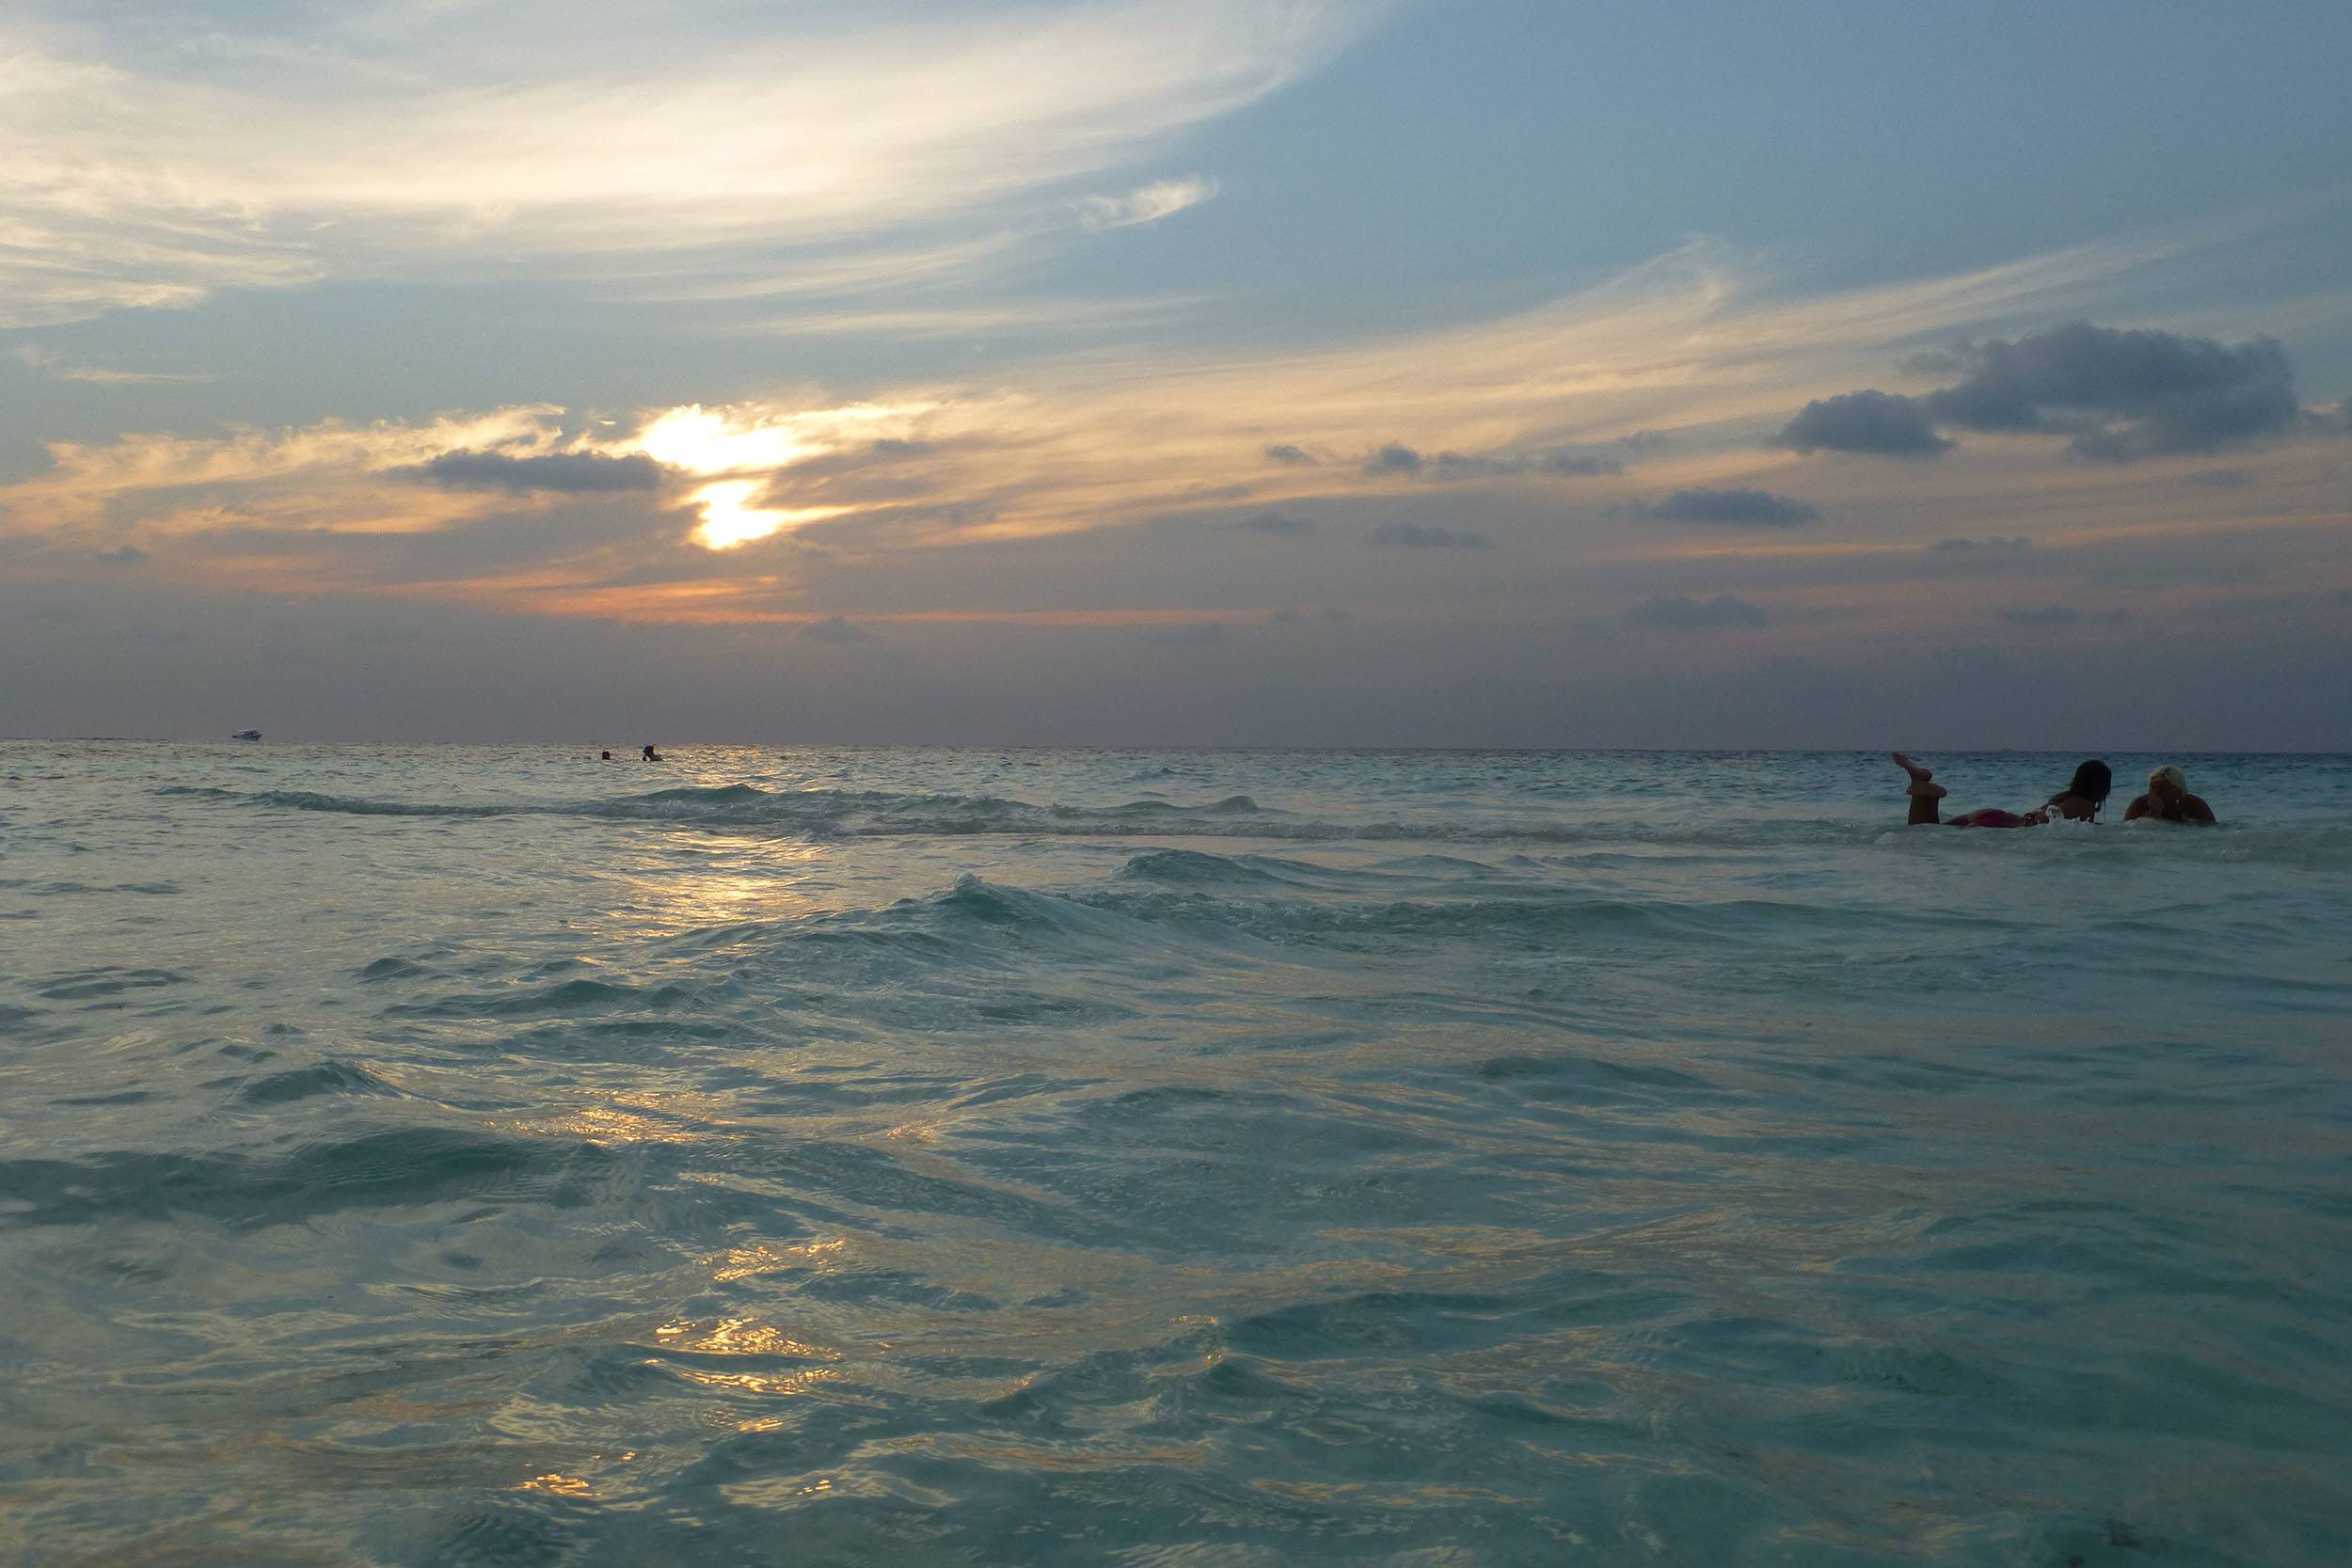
(2118, 396)
(570, 473)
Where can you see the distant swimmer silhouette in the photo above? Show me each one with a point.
(605, 757)
(2078, 803)
(2168, 800)
(649, 755)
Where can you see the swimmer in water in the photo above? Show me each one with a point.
(2078, 803)
(2169, 800)
(649, 755)
(607, 757)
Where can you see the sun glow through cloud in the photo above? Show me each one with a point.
(741, 451)
(730, 519)
(709, 441)
(1253, 345)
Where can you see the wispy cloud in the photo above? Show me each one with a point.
(50, 362)
(1146, 204)
(691, 504)
(287, 146)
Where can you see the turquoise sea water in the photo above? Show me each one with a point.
(480, 1155)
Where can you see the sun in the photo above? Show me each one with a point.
(730, 519)
(706, 441)
(737, 452)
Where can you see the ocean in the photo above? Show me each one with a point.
(484, 1155)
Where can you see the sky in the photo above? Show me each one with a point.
(1125, 372)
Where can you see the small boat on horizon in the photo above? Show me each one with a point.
(246, 735)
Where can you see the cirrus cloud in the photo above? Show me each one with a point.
(762, 145)
(1146, 204)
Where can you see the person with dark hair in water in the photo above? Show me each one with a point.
(606, 757)
(2078, 803)
(649, 755)
(2168, 800)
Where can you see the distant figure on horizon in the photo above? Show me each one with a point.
(605, 757)
(652, 755)
(2078, 803)
(2169, 800)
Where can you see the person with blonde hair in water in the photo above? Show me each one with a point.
(2078, 801)
(2169, 800)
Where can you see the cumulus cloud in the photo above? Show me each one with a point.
(1146, 204)
(1269, 521)
(1297, 457)
(1864, 422)
(1739, 508)
(1679, 612)
(2116, 395)
(1427, 536)
(2121, 395)
(832, 628)
(1393, 458)
(565, 473)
